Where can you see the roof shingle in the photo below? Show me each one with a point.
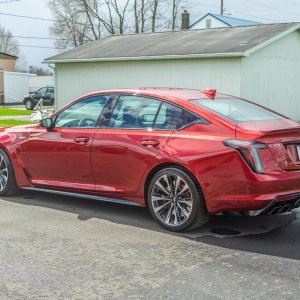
(228, 41)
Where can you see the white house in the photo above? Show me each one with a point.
(216, 21)
(261, 63)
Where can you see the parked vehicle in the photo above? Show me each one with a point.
(184, 154)
(46, 93)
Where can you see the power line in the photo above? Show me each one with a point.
(28, 17)
(292, 2)
(34, 37)
(33, 46)
(267, 6)
(9, 1)
(268, 12)
(261, 18)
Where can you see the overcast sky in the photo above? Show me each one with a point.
(265, 11)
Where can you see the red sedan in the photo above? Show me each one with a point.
(184, 154)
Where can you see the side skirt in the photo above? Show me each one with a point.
(91, 197)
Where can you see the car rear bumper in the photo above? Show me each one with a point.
(279, 205)
(258, 194)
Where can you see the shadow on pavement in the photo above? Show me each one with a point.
(273, 235)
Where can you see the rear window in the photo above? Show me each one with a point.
(238, 110)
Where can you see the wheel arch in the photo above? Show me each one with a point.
(2, 147)
(164, 165)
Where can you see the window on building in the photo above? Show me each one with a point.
(208, 23)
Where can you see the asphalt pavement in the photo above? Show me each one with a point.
(55, 247)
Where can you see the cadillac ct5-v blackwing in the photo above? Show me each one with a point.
(184, 154)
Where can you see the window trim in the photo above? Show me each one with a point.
(115, 100)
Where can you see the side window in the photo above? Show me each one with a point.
(171, 117)
(41, 91)
(50, 90)
(188, 118)
(134, 112)
(82, 114)
(168, 117)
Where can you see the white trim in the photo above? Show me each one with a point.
(17, 73)
(271, 40)
(141, 58)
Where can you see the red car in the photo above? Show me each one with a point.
(184, 154)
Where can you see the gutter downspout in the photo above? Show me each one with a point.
(55, 85)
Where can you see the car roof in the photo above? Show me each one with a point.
(167, 92)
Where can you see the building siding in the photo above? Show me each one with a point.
(271, 75)
(16, 86)
(76, 79)
(8, 64)
(37, 82)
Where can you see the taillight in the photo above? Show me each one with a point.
(250, 151)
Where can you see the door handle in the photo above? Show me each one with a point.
(150, 143)
(81, 140)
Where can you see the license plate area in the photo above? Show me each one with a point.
(293, 150)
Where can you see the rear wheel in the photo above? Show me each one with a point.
(29, 105)
(8, 185)
(175, 201)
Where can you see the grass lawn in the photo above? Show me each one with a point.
(14, 112)
(9, 123)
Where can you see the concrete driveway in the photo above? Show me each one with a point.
(55, 247)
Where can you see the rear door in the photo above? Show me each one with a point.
(129, 142)
(48, 98)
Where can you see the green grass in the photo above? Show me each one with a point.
(14, 112)
(9, 123)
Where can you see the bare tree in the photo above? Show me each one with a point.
(175, 6)
(78, 21)
(39, 71)
(154, 11)
(140, 10)
(8, 44)
(21, 64)
(71, 26)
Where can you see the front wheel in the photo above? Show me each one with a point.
(8, 185)
(175, 201)
(29, 105)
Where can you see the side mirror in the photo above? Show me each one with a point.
(47, 122)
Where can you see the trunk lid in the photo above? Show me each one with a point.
(282, 138)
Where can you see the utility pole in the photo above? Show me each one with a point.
(222, 7)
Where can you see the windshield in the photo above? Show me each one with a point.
(238, 110)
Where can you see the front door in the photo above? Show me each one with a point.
(137, 131)
(40, 94)
(60, 157)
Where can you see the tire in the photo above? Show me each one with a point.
(176, 201)
(8, 185)
(29, 105)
